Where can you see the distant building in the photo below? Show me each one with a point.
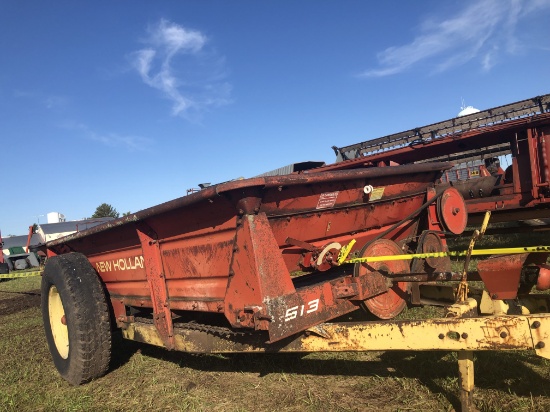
(55, 217)
(292, 168)
(50, 231)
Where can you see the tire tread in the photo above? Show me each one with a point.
(87, 315)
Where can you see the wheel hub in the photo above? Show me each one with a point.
(58, 323)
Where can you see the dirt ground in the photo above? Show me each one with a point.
(19, 302)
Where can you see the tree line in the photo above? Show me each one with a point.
(106, 210)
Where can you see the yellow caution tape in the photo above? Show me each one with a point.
(480, 252)
(344, 252)
(17, 274)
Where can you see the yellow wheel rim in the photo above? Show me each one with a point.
(58, 323)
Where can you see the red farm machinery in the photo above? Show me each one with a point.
(515, 137)
(273, 263)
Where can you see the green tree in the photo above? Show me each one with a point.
(105, 210)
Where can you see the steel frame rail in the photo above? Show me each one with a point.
(489, 117)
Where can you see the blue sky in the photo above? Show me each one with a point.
(131, 103)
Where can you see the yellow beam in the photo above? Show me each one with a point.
(514, 332)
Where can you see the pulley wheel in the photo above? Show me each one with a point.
(431, 243)
(391, 303)
(451, 210)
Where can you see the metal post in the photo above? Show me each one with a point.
(466, 380)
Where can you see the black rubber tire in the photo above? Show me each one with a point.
(77, 286)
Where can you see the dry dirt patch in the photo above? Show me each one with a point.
(19, 302)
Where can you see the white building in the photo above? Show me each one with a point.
(55, 217)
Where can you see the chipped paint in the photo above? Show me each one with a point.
(446, 334)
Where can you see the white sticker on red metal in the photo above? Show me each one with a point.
(326, 200)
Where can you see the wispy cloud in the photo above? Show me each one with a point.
(482, 30)
(129, 142)
(175, 61)
(48, 101)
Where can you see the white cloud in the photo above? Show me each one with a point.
(480, 31)
(116, 140)
(175, 62)
(109, 139)
(48, 101)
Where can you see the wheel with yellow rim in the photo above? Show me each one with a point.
(76, 318)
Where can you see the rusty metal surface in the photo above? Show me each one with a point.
(307, 307)
(525, 109)
(393, 300)
(447, 147)
(434, 277)
(450, 334)
(152, 262)
(431, 242)
(501, 275)
(452, 210)
(225, 250)
(257, 274)
(519, 193)
(540, 333)
(477, 188)
(240, 187)
(466, 380)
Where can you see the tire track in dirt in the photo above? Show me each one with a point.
(22, 301)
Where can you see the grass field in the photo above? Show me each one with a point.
(143, 377)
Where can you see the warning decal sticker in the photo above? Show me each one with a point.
(326, 200)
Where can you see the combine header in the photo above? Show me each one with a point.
(273, 263)
(516, 136)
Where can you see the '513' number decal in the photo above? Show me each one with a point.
(295, 311)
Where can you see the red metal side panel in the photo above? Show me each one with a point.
(224, 249)
(120, 266)
(154, 271)
(198, 257)
(258, 273)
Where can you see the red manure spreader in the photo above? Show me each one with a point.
(273, 263)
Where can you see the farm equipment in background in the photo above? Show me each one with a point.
(15, 261)
(3, 265)
(274, 263)
(24, 256)
(515, 135)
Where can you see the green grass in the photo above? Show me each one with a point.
(19, 285)
(147, 378)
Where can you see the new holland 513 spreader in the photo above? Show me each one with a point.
(273, 263)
